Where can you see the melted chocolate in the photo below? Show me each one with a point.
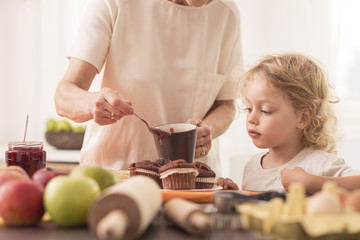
(160, 133)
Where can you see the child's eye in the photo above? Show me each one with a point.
(247, 109)
(265, 112)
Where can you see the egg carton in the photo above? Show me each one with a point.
(263, 220)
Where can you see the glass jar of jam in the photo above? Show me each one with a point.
(28, 155)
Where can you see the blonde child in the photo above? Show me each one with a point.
(288, 112)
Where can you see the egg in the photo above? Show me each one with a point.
(352, 200)
(323, 203)
(342, 194)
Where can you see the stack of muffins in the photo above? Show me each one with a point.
(175, 175)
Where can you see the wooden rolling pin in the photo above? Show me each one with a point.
(187, 215)
(125, 210)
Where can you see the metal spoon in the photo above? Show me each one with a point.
(161, 133)
(26, 125)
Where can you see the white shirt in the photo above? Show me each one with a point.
(316, 162)
(171, 61)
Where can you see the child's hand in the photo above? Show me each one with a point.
(226, 183)
(297, 174)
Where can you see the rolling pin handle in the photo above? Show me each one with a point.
(112, 226)
(199, 221)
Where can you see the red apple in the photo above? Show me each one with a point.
(14, 169)
(44, 175)
(21, 203)
(10, 176)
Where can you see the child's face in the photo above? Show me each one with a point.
(271, 119)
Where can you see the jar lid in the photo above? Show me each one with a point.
(22, 145)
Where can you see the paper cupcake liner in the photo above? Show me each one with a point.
(179, 181)
(141, 170)
(204, 183)
(205, 179)
(199, 185)
(178, 171)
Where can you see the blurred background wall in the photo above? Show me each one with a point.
(37, 34)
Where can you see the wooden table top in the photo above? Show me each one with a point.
(160, 229)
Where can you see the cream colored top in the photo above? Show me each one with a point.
(171, 61)
(316, 162)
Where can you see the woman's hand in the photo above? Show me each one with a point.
(226, 183)
(110, 106)
(74, 101)
(204, 137)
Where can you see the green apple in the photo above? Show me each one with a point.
(63, 125)
(79, 128)
(102, 176)
(67, 199)
(51, 125)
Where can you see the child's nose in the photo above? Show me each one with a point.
(252, 118)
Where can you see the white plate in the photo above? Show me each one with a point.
(215, 188)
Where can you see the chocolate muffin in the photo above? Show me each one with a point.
(145, 168)
(178, 174)
(162, 161)
(206, 177)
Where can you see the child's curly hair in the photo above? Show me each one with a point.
(304, 83)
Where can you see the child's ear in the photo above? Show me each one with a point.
(305, 119)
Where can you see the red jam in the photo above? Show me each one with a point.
(28, 155)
